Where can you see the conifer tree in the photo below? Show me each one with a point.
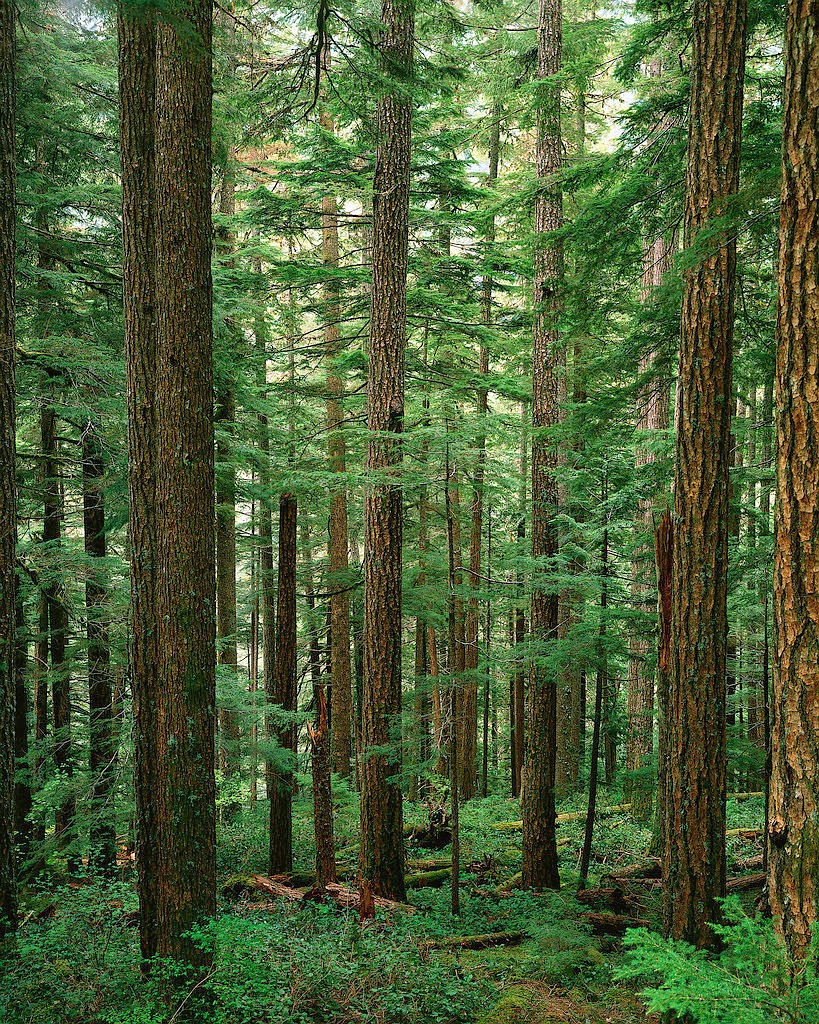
(793, 830)
(8, 447)
(694, 856)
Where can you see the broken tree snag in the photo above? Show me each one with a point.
(366, 901)
(476, 941)
(322, 795)
(436, 833)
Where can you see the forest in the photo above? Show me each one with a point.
(409, 512)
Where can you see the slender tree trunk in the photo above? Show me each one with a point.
(57, 633)
(40, 710)
(225, 416)
(23, 828)
(694, 861)
(8, 465)
(322, 795)
(653, 415)
(165, 94)
(793, 830)
(342, 695)
(382, 841)
(102, 752)
(284, 693)
(539, 854)
(253, 659)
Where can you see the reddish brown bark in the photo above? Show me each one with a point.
(694, 859)
(280, 785)
(165, 93)
(322, 795)
(793, 830)
(539, 852)
(382, 843)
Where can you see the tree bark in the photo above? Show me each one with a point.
(539, 852)
(793, 830)
(694, 860)
(322, 796)
(284, 693)
(382, 844)
(8, 462)
(165, 94)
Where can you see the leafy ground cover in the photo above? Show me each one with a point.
(76, 958)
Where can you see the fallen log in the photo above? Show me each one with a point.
(650, 868)
(569, 817)
(612, 924)
(508, 885)
(615, 898)
(746, 882)
(429, 863)
(476, 941)
(341, 894)
(745, 833)
(428, 879)
(749, 863)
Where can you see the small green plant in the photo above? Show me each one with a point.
(751, 981)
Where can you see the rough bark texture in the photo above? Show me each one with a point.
(101, 754)
(8, 484)
(539, 864)
(694, 861)
(165, 92)
(23, 828)
(793, 831)
(382, 847)
(280, 789)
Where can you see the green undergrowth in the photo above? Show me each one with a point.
(76, 959)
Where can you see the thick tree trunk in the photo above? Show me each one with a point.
(539, 852)
(793, 830)
(102, 751)
(8, 448)
(382, 841)
(165, 92)
(694, 860)
(284, 693)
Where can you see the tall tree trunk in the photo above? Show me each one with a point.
(382, 840)
(653, 415)
(539, 853)
(23, 828)
(468, 760)
(342, 695)
(8, 449)
(57, 630)
(322, 795)
(226, 520)
(40, 710)
(102, 752)
(694, 861)
(518, 692)
(793, 831)
(165, 94)
(284, 692)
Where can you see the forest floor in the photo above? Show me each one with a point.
(302, 962)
